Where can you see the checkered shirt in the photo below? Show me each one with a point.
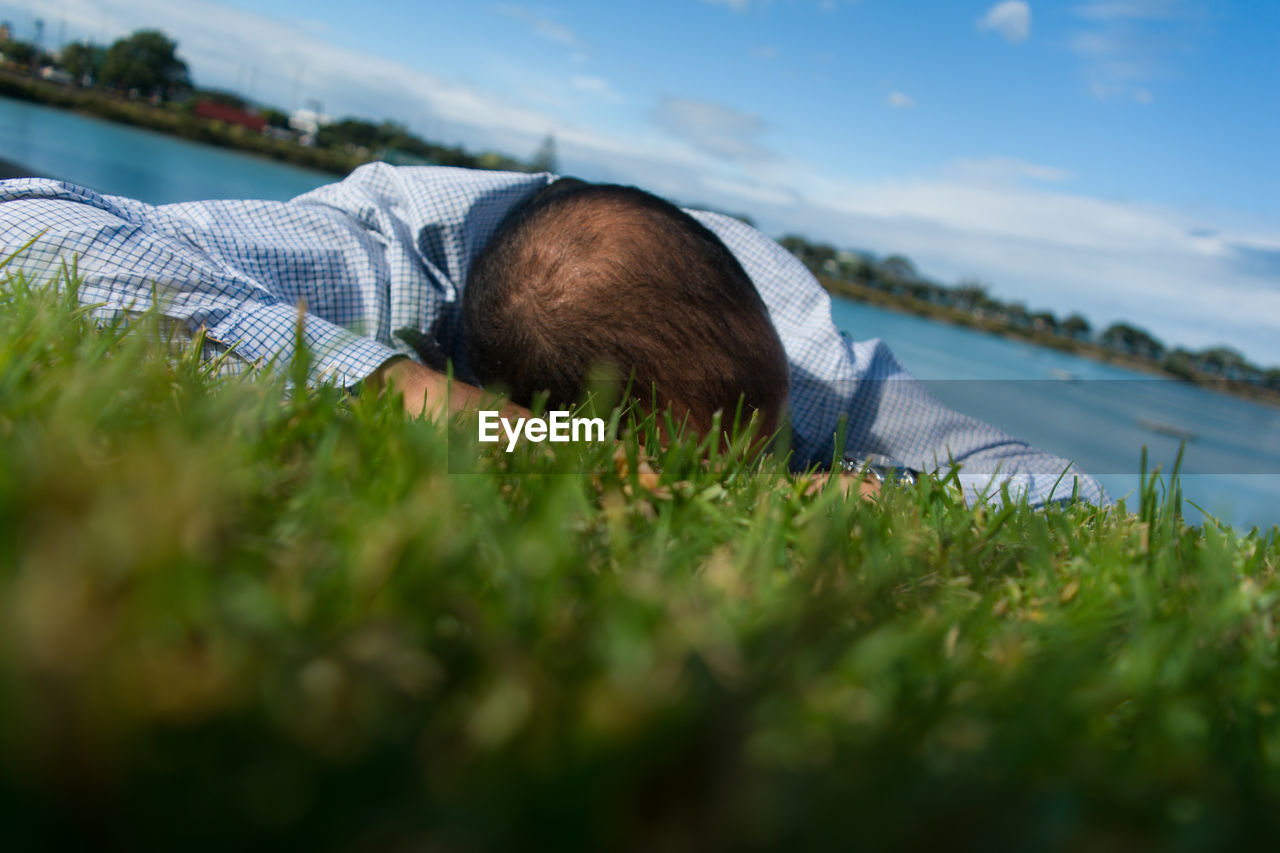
(379, 261)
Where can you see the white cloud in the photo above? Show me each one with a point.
(750, 191)
(558, 33)
(1008, 170)
(542, 27)
(740, 6)
(1011, 19)
(596, 86)
(1125, 46)
(1113, 10)
(712, 127)
(766, 52)
(900, 101)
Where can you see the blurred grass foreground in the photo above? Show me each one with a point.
(236, 617)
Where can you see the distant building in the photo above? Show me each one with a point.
(308, 123)
(56, 75)
(230, 115)
(6, 31)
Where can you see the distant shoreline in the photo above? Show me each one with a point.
(1083, 349)
(166, 119)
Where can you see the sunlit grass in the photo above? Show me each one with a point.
(230, 615)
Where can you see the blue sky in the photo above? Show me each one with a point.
(1115, 157)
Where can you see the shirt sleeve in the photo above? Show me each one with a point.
(131, 257)
(858, 392)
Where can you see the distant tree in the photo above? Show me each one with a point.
(395, 135)
(897, 268)
(350, 132)
(18, 52)
(822, 255)
(794, 243)
(83, 61)
(221, 96)
(274, 117)
(1044, 321)
(1017, 314)
(818, 257)
(147, 62)
(854, 266)
(970, 294)
(927, 291)
(863, 269)
(544, 159)
(1220, 358)
(1226, 362)
(1180, 363)
(1132, 340)
(492, 160)
(1077, 327)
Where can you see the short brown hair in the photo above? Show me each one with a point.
(589, 276)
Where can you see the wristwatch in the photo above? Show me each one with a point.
(884, 469)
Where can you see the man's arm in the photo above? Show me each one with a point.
(130, 258)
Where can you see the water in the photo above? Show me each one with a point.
(121, 160)
(1098, 415)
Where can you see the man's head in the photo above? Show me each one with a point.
(587, 277)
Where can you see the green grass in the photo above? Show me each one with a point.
(235, 617)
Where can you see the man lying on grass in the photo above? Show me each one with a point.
(523, 282)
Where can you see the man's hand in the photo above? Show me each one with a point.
(855, 484)
(867, 487)
(429, 393)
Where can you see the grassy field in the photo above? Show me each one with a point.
(232, 617)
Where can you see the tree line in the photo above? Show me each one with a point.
(145, 66)
(896, 276)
